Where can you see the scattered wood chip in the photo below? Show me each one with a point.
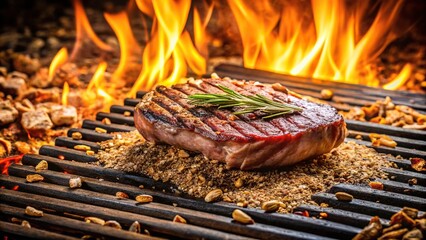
(94, 220)
(30, 211)
(121, 195)
(42, 165)
(271, 206)
(34, 178)
(376, 185)
(418, 164)
(345, 197)
(241, 217)
(214, 195)
(75, 182)
(135, 227)
(179, 219)
(143, 198)
(76, 135)
(113, 224)
(82, 147)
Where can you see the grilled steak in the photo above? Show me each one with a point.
(244, 141)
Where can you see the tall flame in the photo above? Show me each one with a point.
(169, 48)
(84, 31)
(327, 45)
(60, 58)
(129, 47)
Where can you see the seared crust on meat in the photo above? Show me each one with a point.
(244, 141)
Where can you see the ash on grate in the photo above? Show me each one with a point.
(196, 175)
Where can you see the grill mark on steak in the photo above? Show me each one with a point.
(286, 128)
(254, 120)
(226, 116)
(186, 118)
(217, 125)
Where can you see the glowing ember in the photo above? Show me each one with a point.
(65, 92)
(330, 46)
(60, 58)
(6, 162)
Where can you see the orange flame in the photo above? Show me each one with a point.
(128, 45)
(400, 79)
(60, 58)
(201, 36)
(330, 45)
(65, 92)
(96, 88)
(170, 48)
(6, 162)
(84, 30)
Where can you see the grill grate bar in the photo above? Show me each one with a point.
(90, 124)
(70, 143)
(20, 232)
(336, 215)
(390, 198)
(66, 153)
(404, 176)
(70, 225)
(403, 188)
(131, 101)
(385, 129)
(90, 135)
(356, 205)
(401, 142)
(115, 118)
(404, 152)
(121, 109)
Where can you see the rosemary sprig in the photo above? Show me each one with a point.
(247, 103)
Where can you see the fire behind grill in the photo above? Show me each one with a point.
(66, 208)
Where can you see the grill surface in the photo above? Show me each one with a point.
(66, 208)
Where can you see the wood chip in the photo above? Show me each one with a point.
(135, 227)
(376, 185)
(100, 130)
(90, 152)
(42, 165)
(127, 113)
(75, 182)
(241, 217)
(271, 206)
(113, 224)
(214, 195)
(34, 178)
(106, 121)
(179, 219)
(143, 198)
(77, 135)
(345, 197)
(121, 195)
(30, 211)
(82, 147)
(94, 220)
(26, 224)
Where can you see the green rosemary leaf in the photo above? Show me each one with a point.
(245, 103)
